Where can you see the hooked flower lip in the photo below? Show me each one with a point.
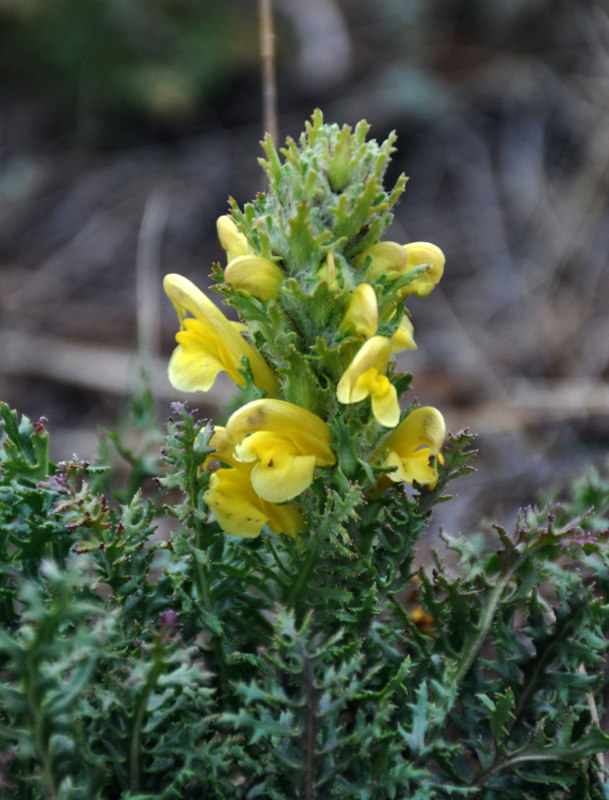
(285, 441)
(365, 377)
(209, 343)
(394, 260)
(419, 253)
(410, 447)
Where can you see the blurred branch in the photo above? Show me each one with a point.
(533, 404)
(147, 278)
(269, 77)
(109, 370)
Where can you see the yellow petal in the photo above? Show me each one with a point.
(409, 447)
(254, 275)
(373, 354)
(385, 407)
(224, 450)
(191, 371)
(423, 426)
(306, 432)
(413, 468)
(388, 258)
(186, 298)
(198, 358)
(259, 445)
(241, 512)
(351, 389)
(362, 314)
(418, 254)
(231, 239)
(234, 503)
(286, 518)
(285, 477)
(403, 338)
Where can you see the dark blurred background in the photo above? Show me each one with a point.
(125, 126)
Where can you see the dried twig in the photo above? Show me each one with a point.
(269, 78)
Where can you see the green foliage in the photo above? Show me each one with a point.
(201, 665)
(104, 60)
(146, 653)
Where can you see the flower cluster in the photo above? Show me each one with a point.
(321, 304)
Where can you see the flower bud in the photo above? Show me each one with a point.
(254, 275)
(362, 314)
(328, 272)
(231, 239)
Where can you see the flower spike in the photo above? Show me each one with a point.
(209, 343)
(285, 441)
(365, 377)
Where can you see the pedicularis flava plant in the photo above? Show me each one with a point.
(255, 627)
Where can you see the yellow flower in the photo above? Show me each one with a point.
(362, 315)
(364, 377)
(285, 442)
(209, 343)
(240, 511)
(231, 239)
(393, 260)
(419, 253)
(412, 444)
(254, 275)
(403, 337)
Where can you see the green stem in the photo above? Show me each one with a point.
(517, 758)
(309, 729)
(474, 648)
(203, 590)
(294, 596)
(140, 707)
(39, 735)
(484, 625)
(200, 570)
